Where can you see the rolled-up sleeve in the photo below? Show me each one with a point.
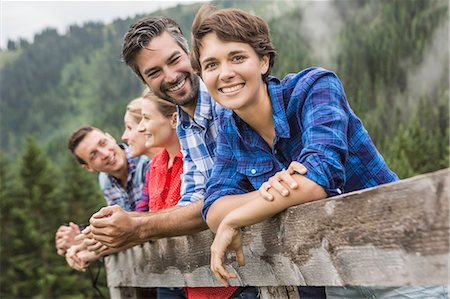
(193, 182)
(324, 119)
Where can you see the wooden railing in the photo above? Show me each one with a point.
(391, 235)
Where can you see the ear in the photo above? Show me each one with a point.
(173, 120)
(87, 167)
(264, 62)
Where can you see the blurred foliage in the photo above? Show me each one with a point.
(391, 55)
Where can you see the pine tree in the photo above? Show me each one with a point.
(34, 212)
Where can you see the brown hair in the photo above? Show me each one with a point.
(75, 139)
(166, 108)
(134, 109)
(234, 25)
(141, 33)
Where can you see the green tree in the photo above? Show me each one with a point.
(34, 210)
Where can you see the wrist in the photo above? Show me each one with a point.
(140, 227)
(230, 221)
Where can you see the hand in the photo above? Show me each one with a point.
(113, 227)
(65, 236)
(74, 258)
(90, 243)
(227, 238)
(285, 177)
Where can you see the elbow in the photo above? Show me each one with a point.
(213, 217)
(318, 192)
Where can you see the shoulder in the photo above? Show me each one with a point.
(307, 78)
(104, 180)
(142, 163)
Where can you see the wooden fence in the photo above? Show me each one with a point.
(394, 234)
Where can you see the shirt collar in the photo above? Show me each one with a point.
(279, 111)
(161, 159)
(280, 120)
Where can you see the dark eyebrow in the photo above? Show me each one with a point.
(207, 60)
(236, 52)
(148, 71)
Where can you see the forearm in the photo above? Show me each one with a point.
(259, 209)
(176, 221)
(224, 205)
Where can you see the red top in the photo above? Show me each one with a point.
(164, 183)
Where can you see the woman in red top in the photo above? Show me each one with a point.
(158, 124)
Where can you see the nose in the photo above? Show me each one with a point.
(170, 75)
(141, 127)
(104, 153)
(226, 72)
(125, 136)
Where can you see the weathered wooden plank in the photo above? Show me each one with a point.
(288, 292)
(395, 234)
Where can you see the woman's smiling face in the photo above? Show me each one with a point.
(232, 71)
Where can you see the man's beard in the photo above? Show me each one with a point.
(188, 98)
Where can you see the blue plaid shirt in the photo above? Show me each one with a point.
(198, 140)
(314, 125)
(112, 189)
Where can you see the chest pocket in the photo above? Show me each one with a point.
(257, 172)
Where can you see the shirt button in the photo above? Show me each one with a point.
(253, 171)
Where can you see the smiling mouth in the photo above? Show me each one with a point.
(177, 87)
(231, 88)
(111, 160)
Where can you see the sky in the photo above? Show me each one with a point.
(23, 19)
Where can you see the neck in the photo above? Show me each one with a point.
(173, 149)
(259, 116)
(190, 108)
(122, 175)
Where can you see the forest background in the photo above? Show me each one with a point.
(391, 55)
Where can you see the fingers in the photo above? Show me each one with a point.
(75, 262)
(92, 244)
(297, 167)
(240, 256)
(264, 191)
(218, 268)
(80, 237)
(282, 182)
(275, 182)
(62, 231)
(75, 228)
(87, 230)
(106, 212)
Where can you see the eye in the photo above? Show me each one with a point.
(102, 142)
(153, 74)
(174, 60)
(92, 156)
(209, 66)
(238, 58)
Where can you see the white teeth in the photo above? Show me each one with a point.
(231, 89)
(176, 87)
